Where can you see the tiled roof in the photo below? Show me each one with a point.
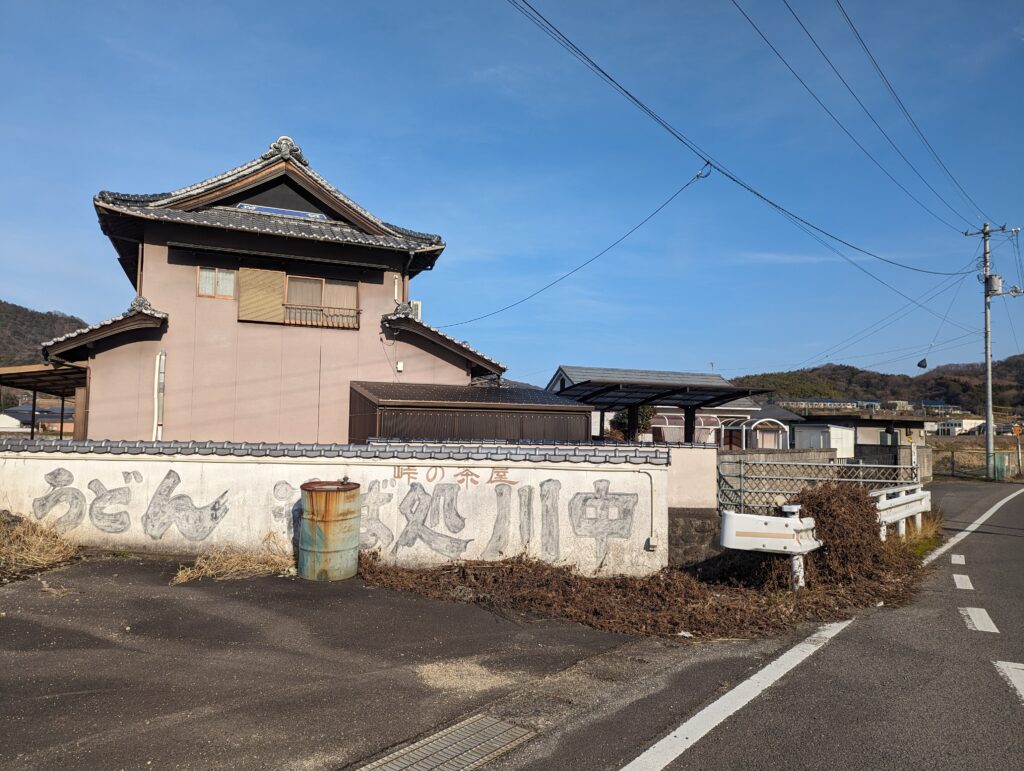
(282, 149)
(140, 306)
(229, 218)
(464, 452)
(404, 314)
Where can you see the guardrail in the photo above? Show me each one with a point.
(789, 534)
(897, 504)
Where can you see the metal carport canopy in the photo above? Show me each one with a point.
(44, 378)
(620, 395)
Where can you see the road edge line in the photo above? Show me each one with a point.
(688, 733)
(970, 528)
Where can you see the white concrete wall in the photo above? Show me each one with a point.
(693, 478)
(597, 517)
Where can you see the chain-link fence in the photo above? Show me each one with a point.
(970, 463)
(760, 487)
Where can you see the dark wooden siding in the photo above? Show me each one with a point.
(406, 423)
(362, 418)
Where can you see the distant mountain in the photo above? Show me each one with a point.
(23, 329)
(962, 384)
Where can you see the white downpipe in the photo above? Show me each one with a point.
(159, 369)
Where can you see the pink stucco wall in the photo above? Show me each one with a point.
(228, 380)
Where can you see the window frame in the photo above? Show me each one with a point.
(216, 283)
(287, 280)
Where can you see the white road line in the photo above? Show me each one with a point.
(978, 620)
(690, 732)
(958, 559)
(970, 528)
(1014, 675)
(962, 582)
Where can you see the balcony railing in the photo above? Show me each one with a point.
(319, 316)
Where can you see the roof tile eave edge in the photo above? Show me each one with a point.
(437, 332)
(284, 150)
(140, 307)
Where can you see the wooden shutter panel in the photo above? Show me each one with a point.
(260, 295)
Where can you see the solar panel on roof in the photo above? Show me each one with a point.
(307, 215)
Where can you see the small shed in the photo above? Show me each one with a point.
(818, 436)
(473, 412)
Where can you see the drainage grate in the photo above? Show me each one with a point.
(463, 746)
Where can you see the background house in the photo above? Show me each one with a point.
(688, 406)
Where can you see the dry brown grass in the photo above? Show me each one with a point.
(27, 546)
(232, 563)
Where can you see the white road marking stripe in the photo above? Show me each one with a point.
(962, 582)
(978, 620)
(1014, 675)
(958, 559)
(970, 528)
(690, 732)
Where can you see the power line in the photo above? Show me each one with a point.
(1006, 306)
(867, 112)
(542, 23)
(839, 123)
(906, 112)
(889, 319)
(699, 175)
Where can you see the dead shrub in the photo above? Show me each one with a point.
(232, 563)
(737, 594)
(27, 546)
(846, 520)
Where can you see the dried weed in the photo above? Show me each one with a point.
(232, 563)
(27, 546)
(736, 595)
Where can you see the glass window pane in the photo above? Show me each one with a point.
(207, 279)
(340, 294)
(305, 291)
(226, 283)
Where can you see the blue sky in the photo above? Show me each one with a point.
(459, 117)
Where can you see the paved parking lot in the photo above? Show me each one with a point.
(111, 667)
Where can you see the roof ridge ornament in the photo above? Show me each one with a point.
(285, 148)
(141, 304)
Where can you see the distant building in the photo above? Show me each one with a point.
(816, 403)
(957, 426)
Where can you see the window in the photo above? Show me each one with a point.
(217, 282)
(318, 302)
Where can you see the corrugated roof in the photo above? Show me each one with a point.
(653, 377)
(472, 395)
(611, 374)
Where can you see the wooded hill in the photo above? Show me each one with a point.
(23, 329)
(962, 384)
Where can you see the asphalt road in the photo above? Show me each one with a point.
(123, 671)
(912, 687)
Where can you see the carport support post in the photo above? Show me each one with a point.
(690, 427)
(600, 428)
(62, 416)
(632, 423)
(32, 430)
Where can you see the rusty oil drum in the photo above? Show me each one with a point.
(329, 531)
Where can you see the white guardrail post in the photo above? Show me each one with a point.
(791, 534)
(897, 504)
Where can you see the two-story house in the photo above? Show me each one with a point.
(263, 294)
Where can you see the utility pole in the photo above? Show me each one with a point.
(993, 287)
